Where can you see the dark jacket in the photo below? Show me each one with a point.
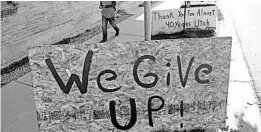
(113, 4)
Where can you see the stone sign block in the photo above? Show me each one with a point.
(140, 86)
(172, 21)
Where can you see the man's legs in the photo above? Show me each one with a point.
(104, 29)
(113, 24)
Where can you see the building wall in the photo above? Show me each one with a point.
(45, 22)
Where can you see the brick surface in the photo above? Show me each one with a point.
(34, 17)
(45, 18)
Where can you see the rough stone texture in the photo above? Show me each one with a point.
(204, 105)
(45, 22)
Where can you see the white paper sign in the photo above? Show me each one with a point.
(202, 2)
(171, 21)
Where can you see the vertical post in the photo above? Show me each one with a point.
(147, 20)
(184, 25)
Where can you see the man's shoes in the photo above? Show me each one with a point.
(103, 40)
(117, 33)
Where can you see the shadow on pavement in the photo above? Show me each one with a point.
(244, 126)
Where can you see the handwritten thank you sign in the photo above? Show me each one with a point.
(136, 86)
(201, 2)
(171, 21)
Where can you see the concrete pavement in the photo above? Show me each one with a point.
(18, 108)
(242, 111)
(248, 27)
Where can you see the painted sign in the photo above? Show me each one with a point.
(201, 2)
(135, 86)
(172, 21)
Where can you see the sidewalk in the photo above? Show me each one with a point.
(242, 111)
(18, 108)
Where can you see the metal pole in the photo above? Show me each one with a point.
(147, 20)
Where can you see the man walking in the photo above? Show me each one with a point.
(108, 14)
